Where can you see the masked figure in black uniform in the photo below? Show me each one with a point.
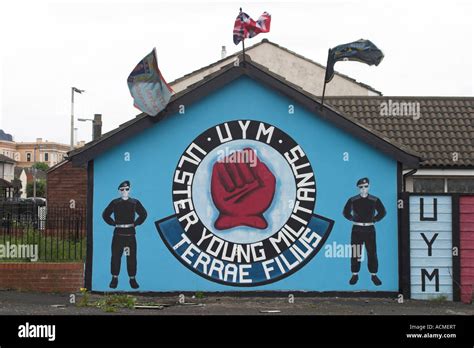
(124, 209)
(364, 211)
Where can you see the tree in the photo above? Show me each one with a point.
(40, 166)
(40, 188)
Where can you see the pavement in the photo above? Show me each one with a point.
(32, 303)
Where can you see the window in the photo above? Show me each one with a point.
(443, 185)
(428, 185)
(46, 159)
(461, 185)
(28, 157)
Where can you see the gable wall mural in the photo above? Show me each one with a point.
(244, 190)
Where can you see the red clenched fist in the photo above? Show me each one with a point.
(243, 191)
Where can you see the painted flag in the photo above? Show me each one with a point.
(246, 27)
(147, 86)
(362, 51)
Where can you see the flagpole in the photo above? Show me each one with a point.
(243, 48)
(243, 38)
(324, 87)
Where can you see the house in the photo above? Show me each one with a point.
(7, 169)
(248, 184)
(435, 200)
(30, 152)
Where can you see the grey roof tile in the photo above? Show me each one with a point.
(445, 126)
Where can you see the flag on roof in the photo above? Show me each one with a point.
(362, 50)
(147, 86)
(245, 27)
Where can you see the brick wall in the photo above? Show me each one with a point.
(65, 183)
(42, 277)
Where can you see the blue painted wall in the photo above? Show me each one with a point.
(153, 158)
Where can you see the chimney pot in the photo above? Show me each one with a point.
(223, 52)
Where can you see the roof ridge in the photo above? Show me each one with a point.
(235, 54)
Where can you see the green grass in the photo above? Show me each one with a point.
(199, 294)
(111, 303)
(50, 248)
(440, 298)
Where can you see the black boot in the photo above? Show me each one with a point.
(113, 283)
(133, 283)
(376, 280)
(354, 279)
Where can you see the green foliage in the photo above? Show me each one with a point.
(111, 303)
(40, 188)
(41, 166)
(108, 303)
(84, 301)
(199, 294)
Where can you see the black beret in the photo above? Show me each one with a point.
(362, 181)
(125, 183)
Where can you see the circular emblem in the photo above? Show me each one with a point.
(244, 194)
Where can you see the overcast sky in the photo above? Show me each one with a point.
(49, 46)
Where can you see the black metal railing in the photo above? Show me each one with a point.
(51, 233)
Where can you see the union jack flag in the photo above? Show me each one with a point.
(246, 27)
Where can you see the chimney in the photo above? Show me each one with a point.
(223, 52)
(97, 126)
(39, 140)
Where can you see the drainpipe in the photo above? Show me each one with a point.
(406, 175)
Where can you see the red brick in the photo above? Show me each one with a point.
(65, 183)
(44, 277)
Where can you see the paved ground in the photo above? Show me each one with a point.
(24, 303)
